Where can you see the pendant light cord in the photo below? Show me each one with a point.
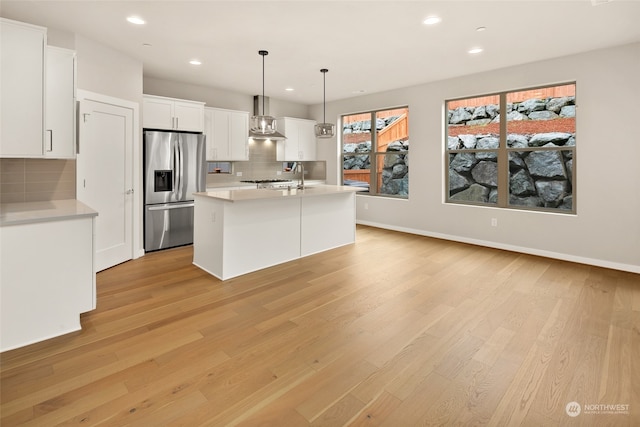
(324, 97)
(324, 94)
(263, 53)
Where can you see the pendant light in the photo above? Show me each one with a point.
(324, 130)
(261, 124)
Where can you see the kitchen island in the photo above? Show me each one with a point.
(240, 231)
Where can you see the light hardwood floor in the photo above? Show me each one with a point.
(396, 330)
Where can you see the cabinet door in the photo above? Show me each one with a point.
(287, 150)
(60, 102)
(157, 113)
(189, 116)
(306, 140)
(208, 133)
(301, 141)
(221, 135)
(239, 135)
(22, 56)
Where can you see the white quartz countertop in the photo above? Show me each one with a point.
(254, 194)
(54, 210)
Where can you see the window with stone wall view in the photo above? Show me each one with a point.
(376, 158)
(527, 162)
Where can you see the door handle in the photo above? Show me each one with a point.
(49, 147)
(129, 191)
(165, 207)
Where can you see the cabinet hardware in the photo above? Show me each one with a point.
(49, 147)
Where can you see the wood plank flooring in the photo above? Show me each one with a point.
(396, 330)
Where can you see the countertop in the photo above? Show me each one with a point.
(54, 210)
(311, 191)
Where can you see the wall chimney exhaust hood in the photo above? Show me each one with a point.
(258, 101)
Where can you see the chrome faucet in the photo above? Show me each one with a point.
(301, 180)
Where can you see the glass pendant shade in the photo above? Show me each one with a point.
(325, 130)
(264, 125)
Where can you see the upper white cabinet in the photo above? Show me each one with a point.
(22, 80)
(60, 103)
(300, 144)
(227, 134)
(172, 114)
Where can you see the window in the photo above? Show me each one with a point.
(376, 157)
(526, 161)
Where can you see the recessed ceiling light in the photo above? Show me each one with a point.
(195, 62)
(475, 50)
(358, 91)
(147, 44)
(136, 20)
(431, 20)
(479, 29)
(289, 89)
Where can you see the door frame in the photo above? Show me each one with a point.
(85, 95)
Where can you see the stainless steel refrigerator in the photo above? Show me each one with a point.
(174, 169)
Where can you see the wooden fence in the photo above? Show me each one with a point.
(546, 92)
(396, 131)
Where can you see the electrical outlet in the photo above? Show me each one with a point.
(213, 217)
(238, 173)
(278, 172)
(366, 206)
(494, 222)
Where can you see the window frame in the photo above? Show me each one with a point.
(373, 154)
(503, 152)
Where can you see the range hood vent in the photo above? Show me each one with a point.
(258, 101)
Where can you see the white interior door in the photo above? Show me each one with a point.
(105, 177)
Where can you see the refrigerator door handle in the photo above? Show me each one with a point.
(180, 168)
(171, 206)
(174, 167)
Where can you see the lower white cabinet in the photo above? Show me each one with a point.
(227, 133)
(300, 144)
(47, 279)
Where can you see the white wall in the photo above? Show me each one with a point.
(606, 229)
(221, 98)
(107, 71)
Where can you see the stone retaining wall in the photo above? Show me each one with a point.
(541, 178)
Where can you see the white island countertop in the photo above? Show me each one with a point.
(53, 210)
(254, 194)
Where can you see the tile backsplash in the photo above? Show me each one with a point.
(35, 180)
(262, 164)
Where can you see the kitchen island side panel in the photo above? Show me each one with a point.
(260, 234)
(208, 232)
(327, 222)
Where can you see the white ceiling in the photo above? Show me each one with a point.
(368, 46)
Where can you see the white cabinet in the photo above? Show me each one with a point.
(172, 114)
(22, 79)
(227, 134)
(300, 144)
(60, 103)
(47, 279)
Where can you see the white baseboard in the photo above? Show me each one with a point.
(530, 251)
